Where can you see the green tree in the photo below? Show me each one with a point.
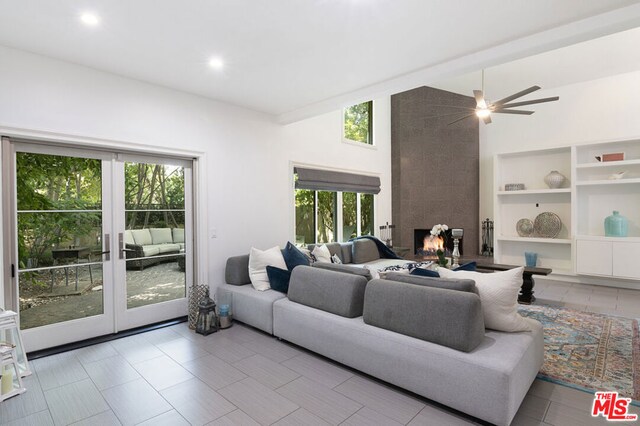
(358, 122)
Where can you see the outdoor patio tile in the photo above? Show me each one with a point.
(170, 418)
(75, 401)
(267, 372)
(162, 372)
(258, 401)
(214, 372)
(135, 402)
(182, 350)
(30, 402)
(110, 372)
(197, 402)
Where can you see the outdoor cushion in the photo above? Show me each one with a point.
(128, 237)
(150, 250)
(364, 251)
(178, 235)
(161, 235)
(142, 237)
(168, 248)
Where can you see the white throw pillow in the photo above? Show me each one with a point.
(322, 254)
(258, 262)
(499, 297)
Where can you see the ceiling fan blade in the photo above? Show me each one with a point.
(479, 98)
(487, 119)
(531, 102)
(513, 111)
(516, 95)
(462, 118)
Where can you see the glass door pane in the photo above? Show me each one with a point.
(59, 231)
(154, 236)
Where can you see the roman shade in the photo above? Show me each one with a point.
(326, 180)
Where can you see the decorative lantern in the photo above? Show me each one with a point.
(207, 318)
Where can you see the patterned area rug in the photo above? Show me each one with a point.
(589, 351)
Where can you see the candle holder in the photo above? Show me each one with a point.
(456, 234)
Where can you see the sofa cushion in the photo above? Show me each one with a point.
(322, 254)
(347, 269)
(335, 292)
(168, 248)
(236, 271)
(334, 248)
(364, 251)
(178, 235)
(252, 307)
(293, 256)
(279, 279)
(161, 235)
(499, 294)
(258, 262)
(151, 250)
(448, 284)
(345, 249)
(142, 237)
(128, 237)
(446, 317)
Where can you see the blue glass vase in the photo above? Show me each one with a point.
(616, 225)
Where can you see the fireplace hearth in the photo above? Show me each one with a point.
(426, 244)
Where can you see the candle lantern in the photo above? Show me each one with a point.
(225, 312)
(207, 319)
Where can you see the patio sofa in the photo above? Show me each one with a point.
(149, 243)
(424, 338)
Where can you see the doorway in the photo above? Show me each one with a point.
(101, 241)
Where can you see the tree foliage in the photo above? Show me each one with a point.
(357, 122)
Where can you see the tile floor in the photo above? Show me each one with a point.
(241, 376)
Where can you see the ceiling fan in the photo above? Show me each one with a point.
(484, 109)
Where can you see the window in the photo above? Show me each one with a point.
(317, 219)
(358, 123)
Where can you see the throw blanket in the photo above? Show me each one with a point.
(385, 252)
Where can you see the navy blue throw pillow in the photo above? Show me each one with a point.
(425, 273)
(294, 257)
(469, 266)
(279, 279)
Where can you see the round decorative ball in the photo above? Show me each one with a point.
(554, 179)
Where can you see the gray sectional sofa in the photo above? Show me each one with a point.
(420, 334)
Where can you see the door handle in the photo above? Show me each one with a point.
(107, 246)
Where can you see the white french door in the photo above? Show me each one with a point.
(100, 242)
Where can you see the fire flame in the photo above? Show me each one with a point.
(432, 243)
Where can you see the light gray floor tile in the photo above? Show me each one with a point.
(320, 400)
(135, 402)
(235, 418)
(272, 348)
(58, 370)
(267, 372)
(226, 349)
(75, 401)
(43, 418)
(258, 401)
(170, 418)
(161, 335)
(366, 417)
(214, 372)
(106, 418)
(563, 415)
(301, 417)
(197, 402)
(95, 352)
(534, 406)
(387, 401)
(522, 420)
(30, 402)
(182, 350)
(136, 349)
(110, 372)
(162, 372)
(431, 416)
(562, 394)
(318, 370)
(241, 334)
(183, 330)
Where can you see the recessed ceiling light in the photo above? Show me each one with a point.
(216, 63)
(90, 19)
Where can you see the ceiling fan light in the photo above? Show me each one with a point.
(483, 112)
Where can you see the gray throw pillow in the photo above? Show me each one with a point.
(449, 284)
(354, 270)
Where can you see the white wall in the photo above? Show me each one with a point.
(592, 111)
(248, 156)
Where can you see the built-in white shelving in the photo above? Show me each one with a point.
(536, 240)
(536, 191)
(608, 182)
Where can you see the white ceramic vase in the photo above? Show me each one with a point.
(554, 179)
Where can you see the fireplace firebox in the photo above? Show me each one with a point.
(426, 245)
